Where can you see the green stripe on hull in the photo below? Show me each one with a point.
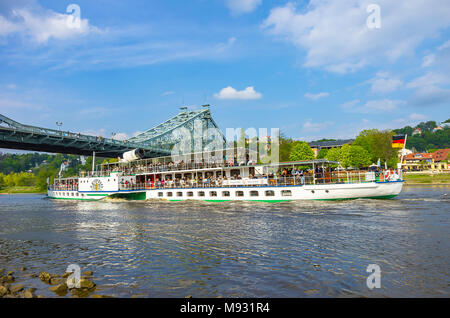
(381, 197)
(96, 195)
(130, 196)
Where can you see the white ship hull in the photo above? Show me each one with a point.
(344, 191)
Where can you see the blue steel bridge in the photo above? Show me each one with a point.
(155, 142)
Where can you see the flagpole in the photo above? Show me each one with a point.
(404, 147)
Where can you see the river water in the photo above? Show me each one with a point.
(237, 249)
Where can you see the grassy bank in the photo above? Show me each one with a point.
(18, 189)
(441, 178)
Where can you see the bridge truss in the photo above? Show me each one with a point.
(155, 142)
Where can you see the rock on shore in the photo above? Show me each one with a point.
(58, 285)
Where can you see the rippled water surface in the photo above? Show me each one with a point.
(237, 249)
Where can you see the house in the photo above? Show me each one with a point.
(437, 128)
(316, 146)
(427, 161)
(417, 131)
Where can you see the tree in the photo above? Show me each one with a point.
(350, 156)
(285, 148)
(334, 154)
(359, 157)
(301, 151)
(378, 144)
(322, 153)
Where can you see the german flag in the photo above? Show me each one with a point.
(398, 141)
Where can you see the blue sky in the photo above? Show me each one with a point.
(313, 69)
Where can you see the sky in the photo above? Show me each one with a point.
(314, 69)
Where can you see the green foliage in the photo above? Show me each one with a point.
(378, 144)
(301, 151)
(428, 139)
(324, 139)
(285, 148)
(29, 170)
(13, 179)
(350, 156)
(359, 157)
(322, 153)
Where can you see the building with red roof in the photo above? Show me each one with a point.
(421, 161)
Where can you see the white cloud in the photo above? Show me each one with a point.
(335, 35)
(168, 93)
(309, 126)
(428, 90)
(40, 25)
(317, 96)
(383, 83)
(372, 106)
(428, 60)
(120, 136)
(8, 104)
(242, 6)
(384, 105)
(230, 93)
(415, 116)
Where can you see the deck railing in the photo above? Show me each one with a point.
(335, 177)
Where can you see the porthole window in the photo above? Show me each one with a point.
(270, 193)
(179, 194)
(212, 193)
(286, 193)
(312, 191)
(226, 193)
(160, 194)
(201, 194)
(327, 191)
(254, 193)
(169, 194)
(190, 194)
(239, 193)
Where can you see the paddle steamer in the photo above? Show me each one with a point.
(228, 180)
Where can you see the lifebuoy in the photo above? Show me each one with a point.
(387, 175)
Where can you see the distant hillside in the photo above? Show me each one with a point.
(429, 139)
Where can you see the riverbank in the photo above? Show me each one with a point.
(427, 179)
(58, 284)
(21, 190)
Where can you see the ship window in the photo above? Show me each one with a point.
(201, 194)
(239, 193)
(179, 194)
(270, 193)
(160, 194)
(226, 193)
(169, 194)
(190, 194)
(235, 172)
(254, 193)
(286, 193)
(213, 193)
